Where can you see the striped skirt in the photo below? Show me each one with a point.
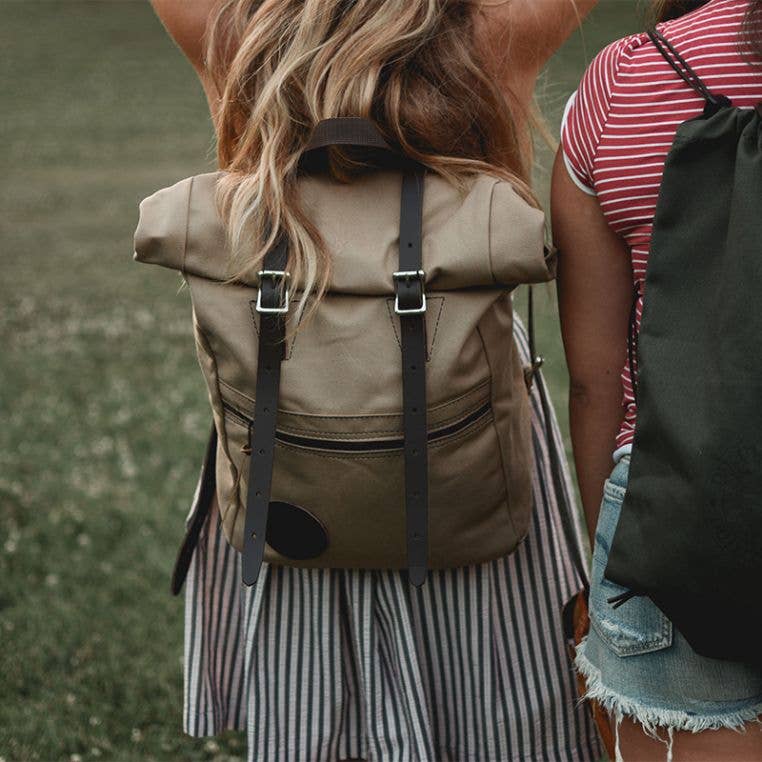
(322, 665)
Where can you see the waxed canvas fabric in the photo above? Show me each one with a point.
(690, 533)
(342, 376)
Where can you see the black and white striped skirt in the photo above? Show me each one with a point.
(322, 665)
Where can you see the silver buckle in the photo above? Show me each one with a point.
(419, 275)
(274, 274)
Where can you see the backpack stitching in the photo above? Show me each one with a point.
(442, 406)
(349, 436)
(503, 463)
(441, 300)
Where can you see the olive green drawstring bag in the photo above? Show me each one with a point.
(690, 532)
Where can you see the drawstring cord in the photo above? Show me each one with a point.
(687, 73)
(619, 600)
(632, 342)
(632, 348)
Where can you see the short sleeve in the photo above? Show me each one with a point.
(587, 112)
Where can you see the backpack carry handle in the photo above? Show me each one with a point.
(351, 132)
(347, 131)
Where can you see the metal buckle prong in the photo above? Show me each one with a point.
(276, 275)
(408, 275)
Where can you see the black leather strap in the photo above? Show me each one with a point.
(199, 513)
(353, 131)
(272, 295)
(410, 298)
(535, 361)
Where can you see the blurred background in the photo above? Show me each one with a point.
(102, 405)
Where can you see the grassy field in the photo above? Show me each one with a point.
(102, 405)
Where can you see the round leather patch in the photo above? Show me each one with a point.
(294, 532)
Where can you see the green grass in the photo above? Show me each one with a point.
(102, 405)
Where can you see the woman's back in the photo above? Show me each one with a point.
(620, 126)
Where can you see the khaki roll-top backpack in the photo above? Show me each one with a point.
(391, 429)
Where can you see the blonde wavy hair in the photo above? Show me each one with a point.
(412, 66)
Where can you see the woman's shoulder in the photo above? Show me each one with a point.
(589, 108)
(608, 65)
(716, 17)
(635, 50)
(633, 60)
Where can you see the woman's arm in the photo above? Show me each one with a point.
(536, 28)
(522, 35)
(540, 27)
(595, 297)
(185, 21)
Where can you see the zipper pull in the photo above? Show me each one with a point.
(619, 600)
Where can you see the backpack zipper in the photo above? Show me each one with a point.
(376, 445)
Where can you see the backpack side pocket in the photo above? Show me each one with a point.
(227, 474)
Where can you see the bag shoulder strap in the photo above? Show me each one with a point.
(200, 510)
(565, 506)
(410, 306)
(272, 306)
(686, 72)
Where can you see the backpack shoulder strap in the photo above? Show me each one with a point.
(686, 72)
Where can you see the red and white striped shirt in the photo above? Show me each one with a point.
(619, 127)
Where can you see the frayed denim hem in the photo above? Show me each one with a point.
(653, 719)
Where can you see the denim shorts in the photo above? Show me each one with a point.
(637, 664)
